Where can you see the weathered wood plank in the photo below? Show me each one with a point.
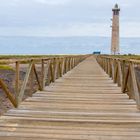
(83, 104)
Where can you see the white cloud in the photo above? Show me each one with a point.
(66, 17)
(127, 29)
(130, 29)
(53, 2)
(79, 29)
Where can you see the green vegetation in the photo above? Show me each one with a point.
(6, 67)
(27, 56)
(22, 56)
(24, 59)
(129, 56)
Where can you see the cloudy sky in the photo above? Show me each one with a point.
(67, 17)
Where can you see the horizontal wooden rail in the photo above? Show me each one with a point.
(49, 69)
(123, 72)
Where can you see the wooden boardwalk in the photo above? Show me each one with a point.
(83, 105)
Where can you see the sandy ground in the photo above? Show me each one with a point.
(5, 104)
(8, 76)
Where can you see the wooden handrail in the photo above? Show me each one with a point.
(122, 71)
(50, 69)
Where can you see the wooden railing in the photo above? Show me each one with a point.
(43, 71)
(124, 72)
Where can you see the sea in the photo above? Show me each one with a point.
(64, 45)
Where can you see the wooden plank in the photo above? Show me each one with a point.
(83, 104)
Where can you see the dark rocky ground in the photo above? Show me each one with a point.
(8, 76)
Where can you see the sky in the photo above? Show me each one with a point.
(67, 17)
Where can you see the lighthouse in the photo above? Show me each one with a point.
(115, 31)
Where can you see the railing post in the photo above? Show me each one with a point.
(68, 63)
(45, 73)
(63, 66)
(134, 83)
(37, 77)
(123, 74)
(106, 66)
(112, 67)
(55, 69)
(49, 71)
(42, 74)
(21, 93)
(17, 81)
(31, 82)
(110, 70)
(60, 67)
(66, 67)
(120, 74)
(126, 76)
(74, 61)
(115, 71)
